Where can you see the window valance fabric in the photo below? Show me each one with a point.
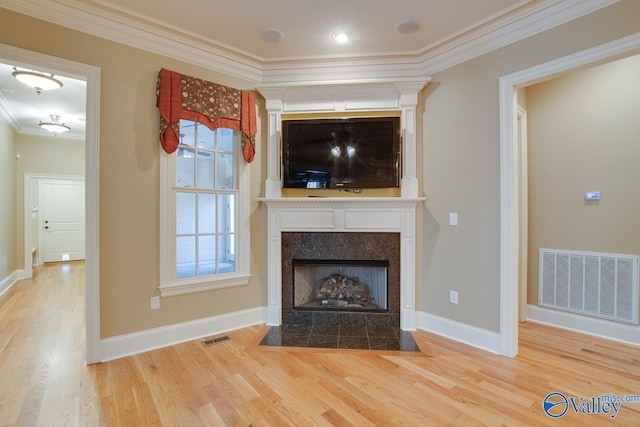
(213, 105)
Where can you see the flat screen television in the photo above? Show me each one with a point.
(342, 153)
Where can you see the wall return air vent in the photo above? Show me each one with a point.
(588, 283)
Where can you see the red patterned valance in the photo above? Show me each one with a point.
(213, 105)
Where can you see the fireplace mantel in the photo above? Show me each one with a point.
(343, 214)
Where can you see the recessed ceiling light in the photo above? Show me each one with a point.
(407, 27)
(272, 36)
(341, 36)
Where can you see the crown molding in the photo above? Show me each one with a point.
(342, 70)
(9, 115)
(137, 33)
(523, 20)
(62, 136)
(543, 16)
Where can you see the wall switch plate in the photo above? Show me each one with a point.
(453, 218)
(155, 303)
(453, 297)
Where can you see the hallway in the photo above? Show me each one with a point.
(42, 364)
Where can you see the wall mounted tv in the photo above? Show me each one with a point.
(342, 153)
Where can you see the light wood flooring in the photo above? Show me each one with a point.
(43, 379)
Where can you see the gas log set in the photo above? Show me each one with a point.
(340, 291)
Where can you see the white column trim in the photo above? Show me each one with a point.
(343, 97)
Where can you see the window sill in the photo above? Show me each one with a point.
(177, 288)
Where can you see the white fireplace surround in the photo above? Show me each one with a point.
(353, 215)
(343, 214)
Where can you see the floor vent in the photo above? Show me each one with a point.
(593, 284)
(211, 341)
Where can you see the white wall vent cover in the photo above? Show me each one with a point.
(593, 284)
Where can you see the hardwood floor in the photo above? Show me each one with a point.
(43, 379)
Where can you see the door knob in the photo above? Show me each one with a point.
(46, 227)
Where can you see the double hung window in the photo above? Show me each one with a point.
(204, 228)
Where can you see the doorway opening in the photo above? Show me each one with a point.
(511, 194)
(91, 75)
(54, 224)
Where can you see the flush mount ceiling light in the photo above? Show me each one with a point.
(54, 126)
(407, 27)
(38, 81)
(272, 36)
(341, 36)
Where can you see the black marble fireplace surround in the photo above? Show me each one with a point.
(341, 328)
(341, 246)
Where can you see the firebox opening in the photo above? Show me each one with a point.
(344, 285)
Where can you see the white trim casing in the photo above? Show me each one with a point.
(168, 286)
(91, 75)
(509, 239)
(611, 330)
(509, 194)
(522, 142)
(139, 342)
(450, 329)
(10, 280)
(151, 339)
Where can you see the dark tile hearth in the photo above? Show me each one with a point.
(341, 336)
(344, 328)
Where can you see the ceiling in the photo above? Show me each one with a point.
(24, 109)
(229, 36)
(306, 26)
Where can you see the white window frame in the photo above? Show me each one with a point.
(169, 285)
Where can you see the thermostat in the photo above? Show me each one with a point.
(592, 195)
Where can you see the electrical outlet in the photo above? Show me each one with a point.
(453, 297)
(453, 218)
(155, 303)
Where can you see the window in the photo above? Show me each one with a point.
(203, 212)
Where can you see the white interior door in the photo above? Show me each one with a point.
(62, 220)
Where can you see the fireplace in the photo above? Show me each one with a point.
(334, 285)
(324, 276)
(359, 228)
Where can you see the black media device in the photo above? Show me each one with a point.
(342, 153)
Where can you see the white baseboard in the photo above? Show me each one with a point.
(151, 339)
(7, 282)
(629, 334)
(471, 335)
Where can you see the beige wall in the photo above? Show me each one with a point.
(8, 263)
(460, 172)
(461, 168)
(46, 154)
(584, 134)
(129, 179)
